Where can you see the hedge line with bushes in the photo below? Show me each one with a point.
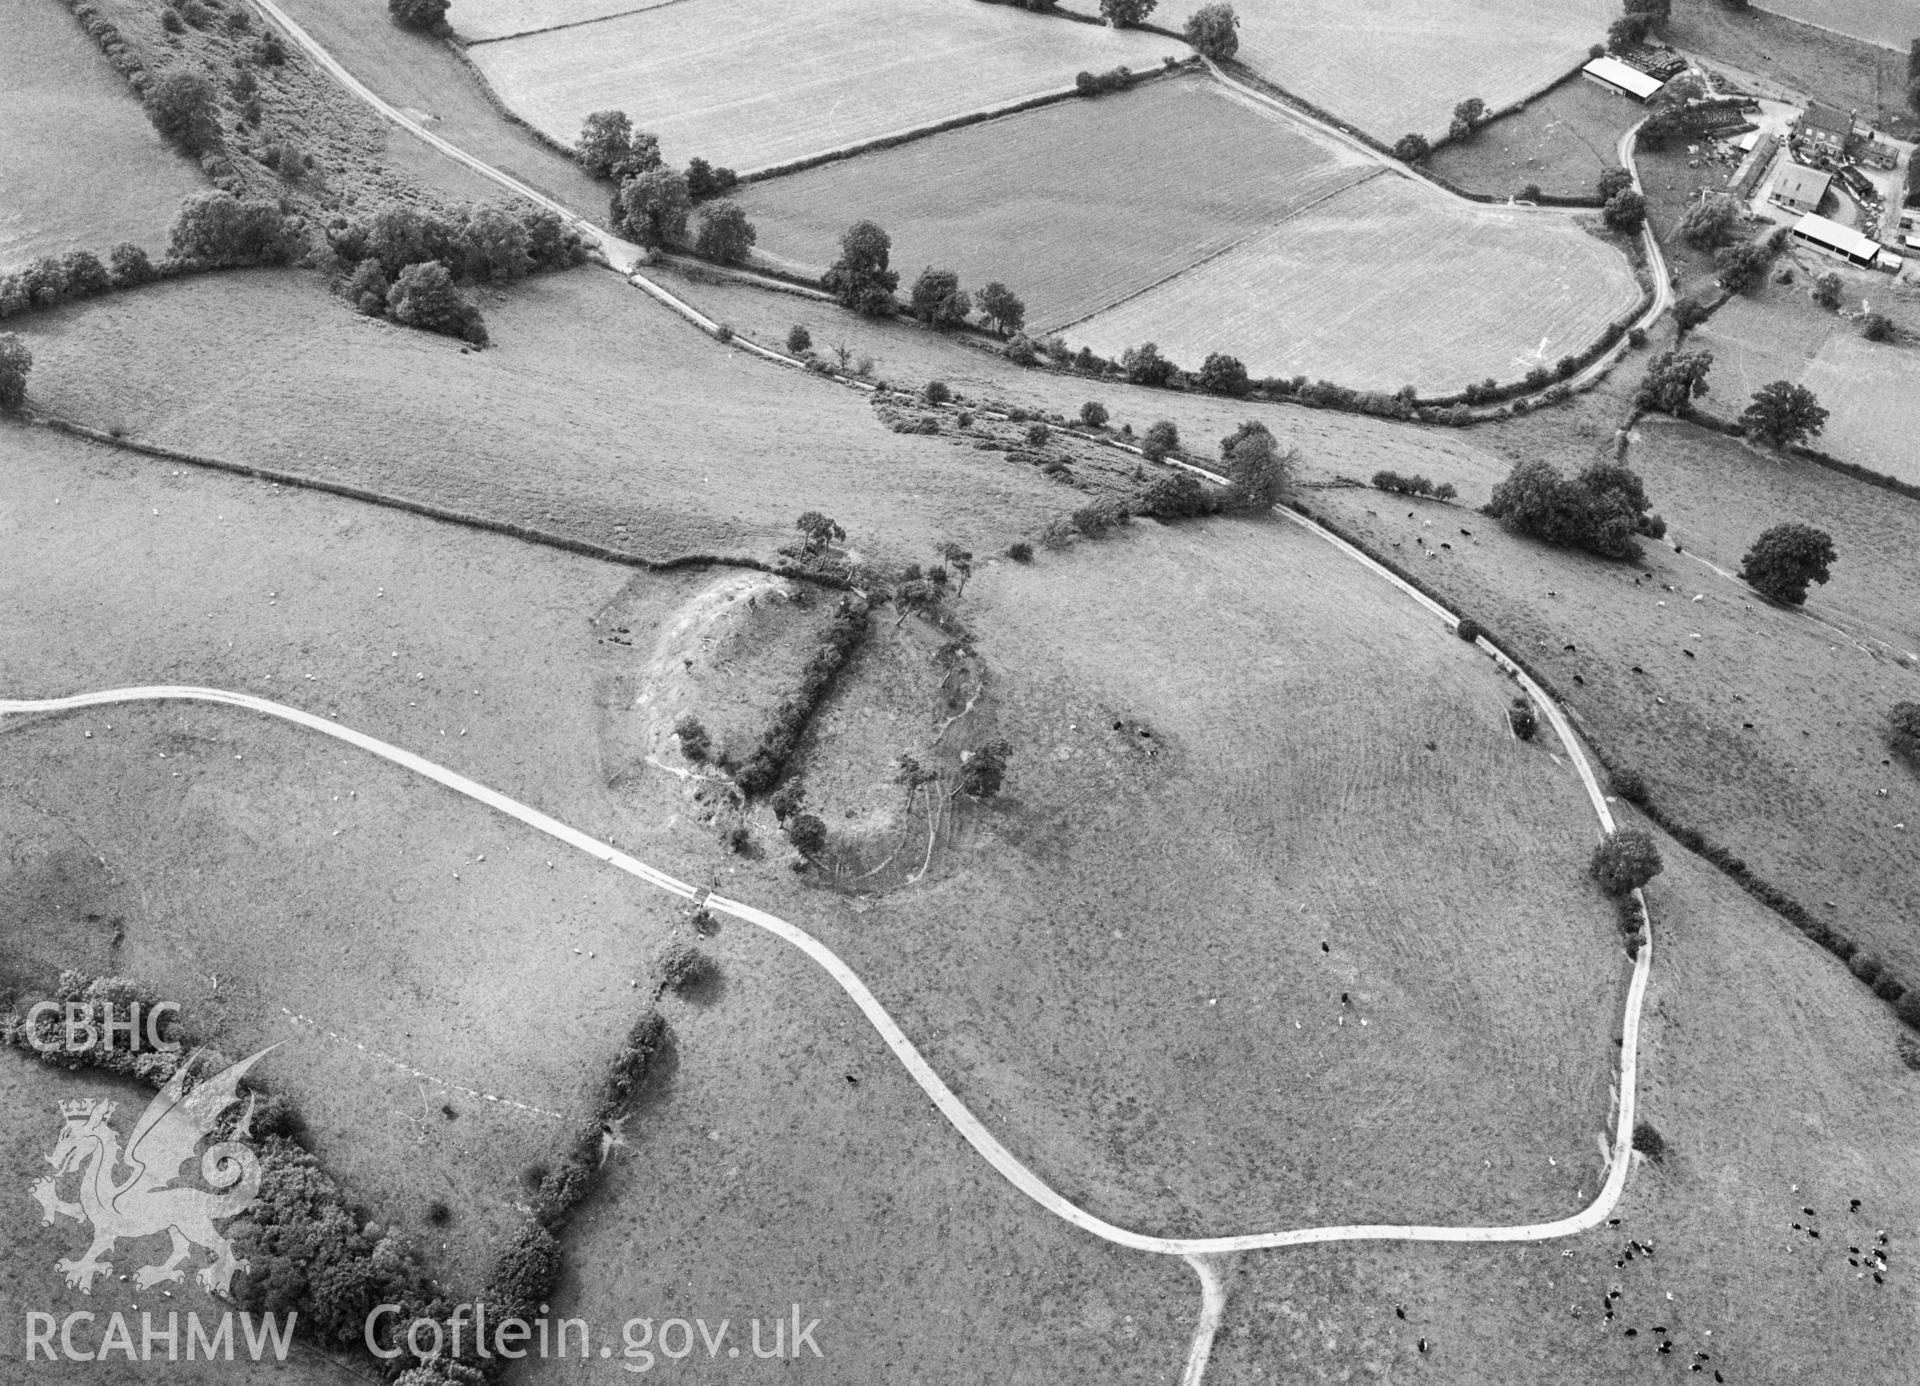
(777, 743)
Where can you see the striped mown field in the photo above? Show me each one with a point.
(753, 83)
(1074, 206)
(1388, 284)
(1400, 65)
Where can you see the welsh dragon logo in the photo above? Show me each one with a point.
(145, 1200)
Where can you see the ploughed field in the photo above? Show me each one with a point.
(754, 83)
(80, 166)
(1402, 65)
(1074, 206)
(1390, 283)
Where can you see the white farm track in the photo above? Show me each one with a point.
(1202, 1253)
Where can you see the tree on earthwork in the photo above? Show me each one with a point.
(818, 532)
(1783, 413)
(985, 770)
(1785, 559)
(181, 106)
(1002, 309)
(860, 278)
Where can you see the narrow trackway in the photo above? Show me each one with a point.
(943, 1097)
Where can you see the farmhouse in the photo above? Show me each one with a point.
(1826, 128)
(1843, 241)
(1799, 189)
(1616, 76)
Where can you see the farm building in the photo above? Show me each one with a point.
(1753, 171)
(1799, 189)
(1615, 75)
(1879, 155)
(1826, 128)
(1843, 241)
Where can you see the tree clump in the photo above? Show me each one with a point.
(984, 770)
(1002, 309)
(1144, 365)
(1467, 117)
(609, 147)
(1411, 148)
(181, 106)
(424, 296)
(725, 235)
(937, 300)
(1257, 470)
(1785, 559)
(1905, 717)
(1626, 861)
(1221, 374)
(653, 208)
(15, 362)
(1599, 510)
(427, 15)
(1673, 381)
(1123, 14)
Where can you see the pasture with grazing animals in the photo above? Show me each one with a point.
(1387, 284)
(1074, 206)
(81, 167)
(743, 83)
(1403, 65)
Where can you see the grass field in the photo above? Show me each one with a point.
(1404, 65)
(1871, 390)
(1144, 1010)
(1799, 793)
(1772, 1077)
(1775, 55)
(1560, 143)
(740, 82)
(483, 20)
(1074, 206)
(1387, 284)
(1887, 23)
(66, 110)
(658, 441)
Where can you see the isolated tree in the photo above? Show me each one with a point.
(860, 279)
(1742, 266)
(1121, 13)
(725, 233)
(1221, 374)
(818, 532)
(1002, 309)
(985, 769)
(938, 300)
(1466, 116)
(423, 296)
(1783, 413)
(1673, 381)
(1144, 365)
(1094, 414)
(15, 362)
(1160, 439)
(1785, 559)
(1625, 212)
(807, 834)
(1826, 290)
(1877, 327)
(960, 562)
(1257, 471)
(799, 340)
(1626, 861)
(1710, 221)
(1214, 32)
(1411, 148)
(1611, 183)
(654, 207)
(419, 14)
(181, 106)
(695, 743)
